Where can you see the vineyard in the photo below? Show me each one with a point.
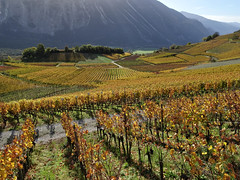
(23, 68)
(74, 76)
(171, 79)
(163, 60)
(123, 116)
(194, 138)
(13, 84)
(221, 48)
(193, 59)
(190, 132)
(205, 46)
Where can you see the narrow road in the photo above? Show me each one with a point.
(58, 64)
(47, 133)
(214, 64)
(119, 66)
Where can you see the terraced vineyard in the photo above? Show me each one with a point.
(44, 64)
(74, 76)
(219, 49)
(223, 47)
(23, 68)
(193, 59)
(163, 59)
(226, 51)
(201, 48)
(172, 79)
(90, 64)
(12, 84)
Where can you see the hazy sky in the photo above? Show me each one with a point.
(221, 10)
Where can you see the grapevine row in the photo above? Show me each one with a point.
(202, 131)
(91, 157)
(24, 108)
(14, 160)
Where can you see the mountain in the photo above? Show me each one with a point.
(121, 23)
(214, 26)
(235, 24)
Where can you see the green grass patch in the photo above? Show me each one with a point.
(49, 162)
(95, 59)
(143, 51)
(128, 63)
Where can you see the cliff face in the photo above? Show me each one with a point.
(126, 23)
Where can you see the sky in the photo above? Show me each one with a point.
(221, 10)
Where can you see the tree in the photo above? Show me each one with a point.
(209, 38)
(204, 39)
(173, 46)
(77, 49)
(47, 52)
(216, 34)
(66, 49)
(118, 50)
(40, 51)
(9, 59)
(29, 54)
(54, 50)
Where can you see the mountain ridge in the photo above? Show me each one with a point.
(214, 26)
(124, 23)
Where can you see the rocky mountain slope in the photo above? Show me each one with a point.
(123, 23)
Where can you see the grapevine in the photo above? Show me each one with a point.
(14, 157)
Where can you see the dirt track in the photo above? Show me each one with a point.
(47, 133)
